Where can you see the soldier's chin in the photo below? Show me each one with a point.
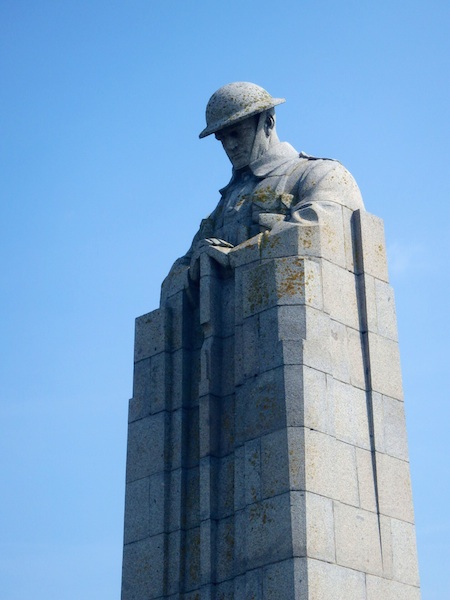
(239, 162)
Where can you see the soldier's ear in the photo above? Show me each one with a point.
(269, 124)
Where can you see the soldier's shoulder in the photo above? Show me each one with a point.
(328, 177)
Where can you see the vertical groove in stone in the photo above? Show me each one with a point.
(364, 334)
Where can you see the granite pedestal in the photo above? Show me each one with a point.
(267, 451)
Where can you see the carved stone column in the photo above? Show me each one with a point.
(267, 454)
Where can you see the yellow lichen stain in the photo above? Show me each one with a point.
(264, 195)
(306, 237)
(331, 235)
(258, 294)
(260, 512)
(266, 403)
(293, 281)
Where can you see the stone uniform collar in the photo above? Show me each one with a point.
(274, 158)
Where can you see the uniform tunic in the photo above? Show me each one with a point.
(281, 182)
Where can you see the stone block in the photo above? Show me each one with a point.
(298, 524)
(260, 406)
(192, 558)
(239, 355)
(280, 332)
(319, 462)
(384, 589)
(207, 501)
(246, 253)
(239, 588)
(351, 418)
(298, 453)
(317, 354)
(191, 504)
(356, 358)
(385, 371)
(366, 480)
(149, 386)
(173, 558)
(209, 357)
(145, 452)
(274, 464)
(394, 488)
(278, 581)
(252, 471)
(339, 294)
(309, 399)
(330, 467)
(177, 322)
(332, 582)
(222, 591)
(332, 242)
(224, 366)
(366, 291)
(227, 425)
(190, 447)
(249, 347)
(268, 531)
(404, 552)
(225, 486)
(177, 379)
(209, 425)
(357, 539)
(239, 478)
(175, 506)
(254, 584)
(345, 473)
(291, 239)
(284, 281)
(241, 542)
(338, 350)
(137, 509)
(158, 489)
(386, 546)
(319, 527)
(390, 426)
(149, 335)
(225, 549)
(292, 352)
(370, 245)
(385, 305)
(209, 309)
(143, 569)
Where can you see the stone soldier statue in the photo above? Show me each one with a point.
(271, 182)
(267, 453)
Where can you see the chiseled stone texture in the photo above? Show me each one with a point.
(267, 449)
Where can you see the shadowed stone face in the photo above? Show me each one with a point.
(238, 140)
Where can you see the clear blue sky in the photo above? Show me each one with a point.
(103, 184)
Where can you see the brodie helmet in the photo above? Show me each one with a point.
(235, 102)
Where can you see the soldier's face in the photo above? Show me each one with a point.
(237, 141)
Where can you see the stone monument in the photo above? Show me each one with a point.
(267, 452)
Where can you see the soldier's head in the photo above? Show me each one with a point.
(242, 117)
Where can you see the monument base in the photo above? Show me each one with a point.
(267, 453)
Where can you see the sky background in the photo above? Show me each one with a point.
(103, 184)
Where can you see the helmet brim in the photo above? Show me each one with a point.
(241, 115)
